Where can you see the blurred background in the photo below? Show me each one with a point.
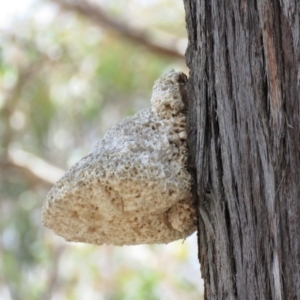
(69, 70)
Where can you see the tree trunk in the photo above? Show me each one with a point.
(244, 141)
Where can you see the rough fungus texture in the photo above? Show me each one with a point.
(133, 188)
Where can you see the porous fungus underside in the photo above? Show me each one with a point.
(133, 188)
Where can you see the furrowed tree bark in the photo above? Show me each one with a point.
(244, 141)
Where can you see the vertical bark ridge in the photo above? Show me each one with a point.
(244, 124)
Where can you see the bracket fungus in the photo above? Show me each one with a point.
(133, 188)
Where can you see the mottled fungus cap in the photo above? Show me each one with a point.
(133, 188)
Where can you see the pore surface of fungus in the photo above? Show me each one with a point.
(133, 188)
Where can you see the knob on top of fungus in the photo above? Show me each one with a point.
(133, 188)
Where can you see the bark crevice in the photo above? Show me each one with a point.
(244, 95)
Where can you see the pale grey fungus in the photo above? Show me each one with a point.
(134, 187)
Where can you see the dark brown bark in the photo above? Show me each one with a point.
(244, 140)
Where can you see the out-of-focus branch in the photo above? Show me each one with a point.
(13, 97)
(53, 279)
(33, 168)
(161, 44)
